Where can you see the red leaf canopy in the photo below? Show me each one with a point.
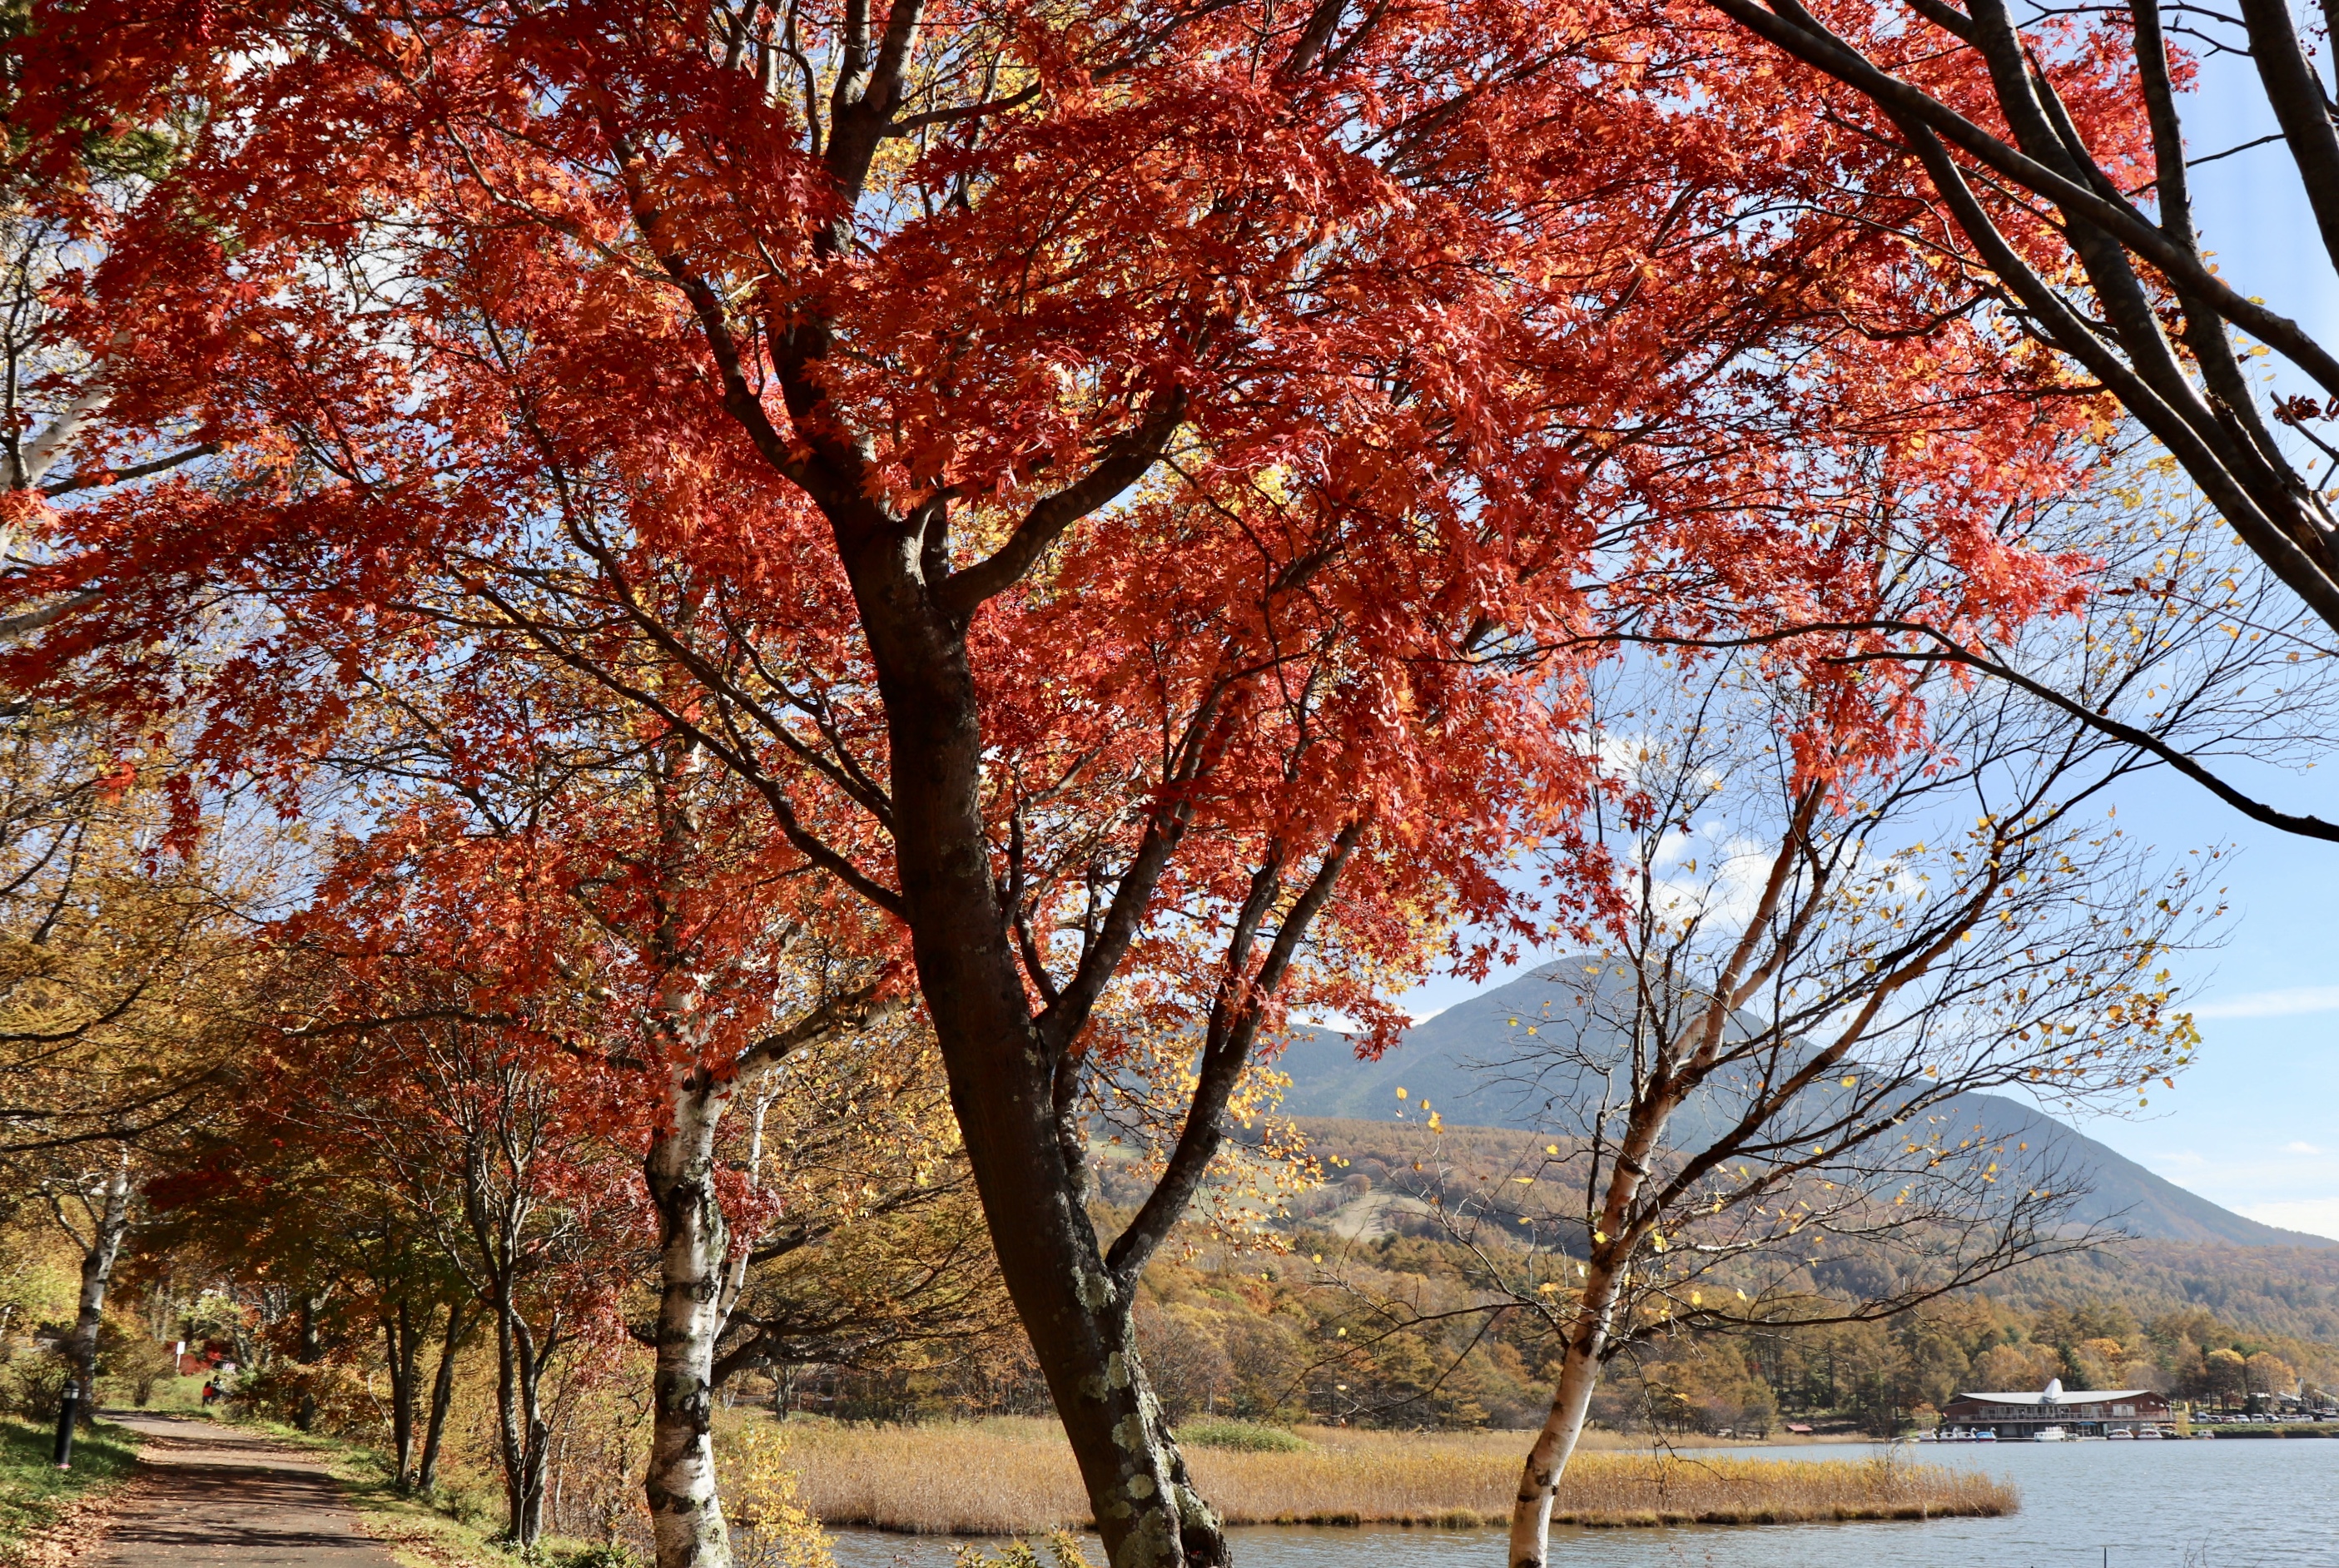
(1289, 401)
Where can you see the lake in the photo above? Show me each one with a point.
(2251, 1504)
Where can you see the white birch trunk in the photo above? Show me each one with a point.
(40, 454)
(1604, 1271)
(1554, 1445)
(112, 1223)
(686, 1513)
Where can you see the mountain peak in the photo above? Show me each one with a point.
(1466, 1063)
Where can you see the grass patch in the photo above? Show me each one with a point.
(168, 1396)
(1240, 1437)
(1004, 1478)
(34, 1493)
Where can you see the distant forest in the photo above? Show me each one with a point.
(1366, 1311)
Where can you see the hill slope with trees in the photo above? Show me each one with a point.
(1461, 1061)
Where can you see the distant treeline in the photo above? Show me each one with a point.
(1366, 1312)
(1379, 1333)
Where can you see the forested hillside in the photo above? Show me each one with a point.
(1363, 1307)
(1373, 1187)
(1500, 1059)
(1393, 1330)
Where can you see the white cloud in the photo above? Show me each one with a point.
(2315, 1216)
(2289, 1004)
(1727, 889)
(2298, 1146)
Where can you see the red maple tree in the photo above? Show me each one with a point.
(1129, 489)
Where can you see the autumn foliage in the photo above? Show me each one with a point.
(1127, 493)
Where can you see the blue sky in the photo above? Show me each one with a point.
(2254, 1124)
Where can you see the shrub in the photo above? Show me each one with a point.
(32, 1386)
(775, 1529)
(1063, 1545)
(326, 1399)
(607, 1554)
(133, 1360)
(1242, 1436)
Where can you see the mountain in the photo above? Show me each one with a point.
(1467, 1063)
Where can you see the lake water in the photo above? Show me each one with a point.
(2253, 1503)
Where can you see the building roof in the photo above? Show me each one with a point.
(2035, 1397)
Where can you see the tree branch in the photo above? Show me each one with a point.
(1125, 461)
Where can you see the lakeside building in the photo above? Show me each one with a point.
(2095, 1413)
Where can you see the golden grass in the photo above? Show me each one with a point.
(1016, 1477)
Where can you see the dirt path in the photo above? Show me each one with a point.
(212, 1494)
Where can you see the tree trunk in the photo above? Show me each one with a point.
(529, 1530)
(309, 1350)
(1033, 1182)
(686, 1513)
(113, 1223)
(401, 1338)
(1547, 1460)
(1611, 1255)
(443, 1397)
(520, 1427)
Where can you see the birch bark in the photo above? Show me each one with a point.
(686, 1513)
(109, 1224)
(525, 1434)
(1614, 1242)
(1554, 1445)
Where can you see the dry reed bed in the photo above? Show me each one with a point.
(1017, 1478)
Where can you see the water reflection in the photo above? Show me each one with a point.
(2215, 1505)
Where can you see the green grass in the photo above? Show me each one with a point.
(1240, 1436)
(34, 1491)
(169, 1396)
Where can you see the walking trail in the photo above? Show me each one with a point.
(210, 1495)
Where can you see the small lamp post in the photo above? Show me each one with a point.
(66, 1407)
